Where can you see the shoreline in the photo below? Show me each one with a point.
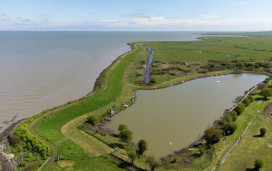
(9, 122)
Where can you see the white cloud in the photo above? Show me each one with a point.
(212, 22)
(242, 3)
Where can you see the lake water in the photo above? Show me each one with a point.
(40, 70)
(172, 118)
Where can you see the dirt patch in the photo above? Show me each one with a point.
(167, 65)
(66, 163)
(269, 145)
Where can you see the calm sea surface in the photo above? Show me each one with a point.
(40, 70)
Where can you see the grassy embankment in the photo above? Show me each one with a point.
(124, 77)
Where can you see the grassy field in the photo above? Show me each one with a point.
(174, 62)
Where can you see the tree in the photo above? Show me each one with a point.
(132, 155)
(266, 92)
(125, 135)
(212, 135)
(142, 147)
(93, 120)
(122, 126)
(258, 164)
(262, 132)
(239, 108)
(152, 162)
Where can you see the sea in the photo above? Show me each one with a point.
(44, 69)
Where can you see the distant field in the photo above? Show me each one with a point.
(214, 48)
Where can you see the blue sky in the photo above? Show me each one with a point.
(136, 15)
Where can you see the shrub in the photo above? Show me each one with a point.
(233, 115)
(201, 149)
(258, 164)
(250, 98)
(266, 92)
(203, 71)
(152, 162)
(93, 120)
(239, 108)
(122, 126)
(212, 135)
(262, 132)
(230, 126)
(246, 101)
(261, 86)
(225, 119)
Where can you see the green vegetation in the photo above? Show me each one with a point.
(212, 135)
(142, 147)
(79, 145)
(152, 162)
(258, 164)
(266, 92)
(122, 127)
(92, 120)
(125, 135)
(239, 108)
(27, 147)
(262, 132)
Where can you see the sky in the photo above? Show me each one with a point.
(136, 15)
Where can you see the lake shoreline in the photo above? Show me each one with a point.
(109, 131)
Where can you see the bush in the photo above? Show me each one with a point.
(250, 98)
(258, 164)
(239, 108)
(233, 115)
(122, 126)
(203, 71)
(261, 86)
(246, 101)
(262, 132)
(152, 163)
(93, 120)
(230, 126)
(201, 149)
(266, 92)
(212, 135)
(225, 119)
